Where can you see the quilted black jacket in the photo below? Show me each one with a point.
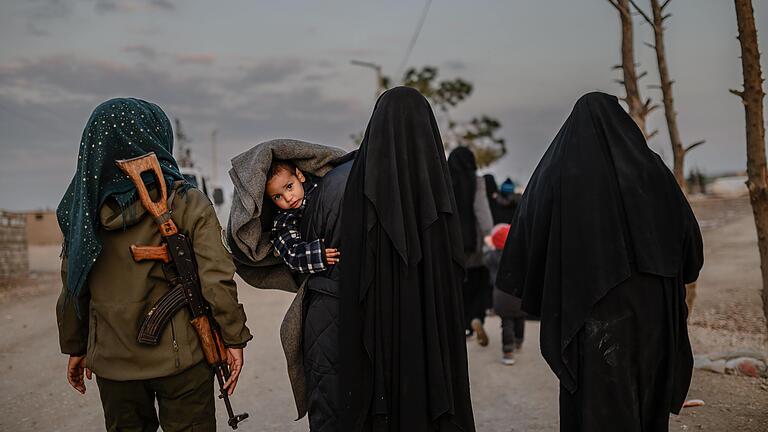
(321, 319)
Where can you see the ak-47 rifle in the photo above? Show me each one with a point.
(180, 270)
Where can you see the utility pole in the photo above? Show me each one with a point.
(184, 157)
(214, 157)
(382, 82)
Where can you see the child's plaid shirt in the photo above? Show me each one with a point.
(300, 256)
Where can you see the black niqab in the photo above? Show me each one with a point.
(463, 168)
(402, 350)
(599, 206)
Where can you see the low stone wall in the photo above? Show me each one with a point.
(14, 257)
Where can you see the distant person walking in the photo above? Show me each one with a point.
(502, 200)
(476, 222)
(601, 248)
(506, 306)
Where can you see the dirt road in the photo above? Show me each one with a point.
(523, 397)
(36, 396)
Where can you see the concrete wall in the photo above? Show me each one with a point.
(14, 258)
(43, 229)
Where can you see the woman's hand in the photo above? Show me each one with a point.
(332, 256)
(235, 362)
(75, 370)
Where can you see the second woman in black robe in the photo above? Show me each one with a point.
(476, 222)
(601, 247)
(402, 349)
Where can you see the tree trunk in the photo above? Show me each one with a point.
(752, 97)
(678, 152)
(637, 109)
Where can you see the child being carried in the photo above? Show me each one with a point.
(285, 187)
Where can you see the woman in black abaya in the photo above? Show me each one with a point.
(402, 350)
(601, 247)
(476, 222)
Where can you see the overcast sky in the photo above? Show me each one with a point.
(257, 70)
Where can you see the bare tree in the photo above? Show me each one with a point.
(752, 97)
(678, 151)
(638, 108)
(480, 134)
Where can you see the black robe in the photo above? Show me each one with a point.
(503, 206)
(604, 234)
(403, 354)
(463, 169)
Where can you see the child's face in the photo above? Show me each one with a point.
(285, 189)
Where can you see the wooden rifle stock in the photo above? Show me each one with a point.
(133, 168)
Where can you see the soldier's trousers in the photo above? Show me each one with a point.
(185, 402)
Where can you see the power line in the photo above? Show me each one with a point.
(415, 37)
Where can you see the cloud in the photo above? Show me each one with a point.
(195, 58)
(44, 9)
(35, 30)
(317, 77)
(110, 6)
(45, 102)
(145, 51)
(38, 13)
(455, 65)
(70, 77)
(270, 72)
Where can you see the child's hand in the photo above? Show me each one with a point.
(332, 256)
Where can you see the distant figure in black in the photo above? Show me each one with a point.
(476, 222)
(502, 200)
(601, 247)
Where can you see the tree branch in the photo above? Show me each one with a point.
(649, 106)
(644, 73)
(615, 4)
(618, 7)
(645, 16)
(650, 45)
(652, 134)
(694, 145)
(665, 4)
(737, 93)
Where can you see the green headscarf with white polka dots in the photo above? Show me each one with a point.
(117, 129)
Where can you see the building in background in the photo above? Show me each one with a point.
(44, 240)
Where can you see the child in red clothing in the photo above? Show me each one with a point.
(506, 306)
